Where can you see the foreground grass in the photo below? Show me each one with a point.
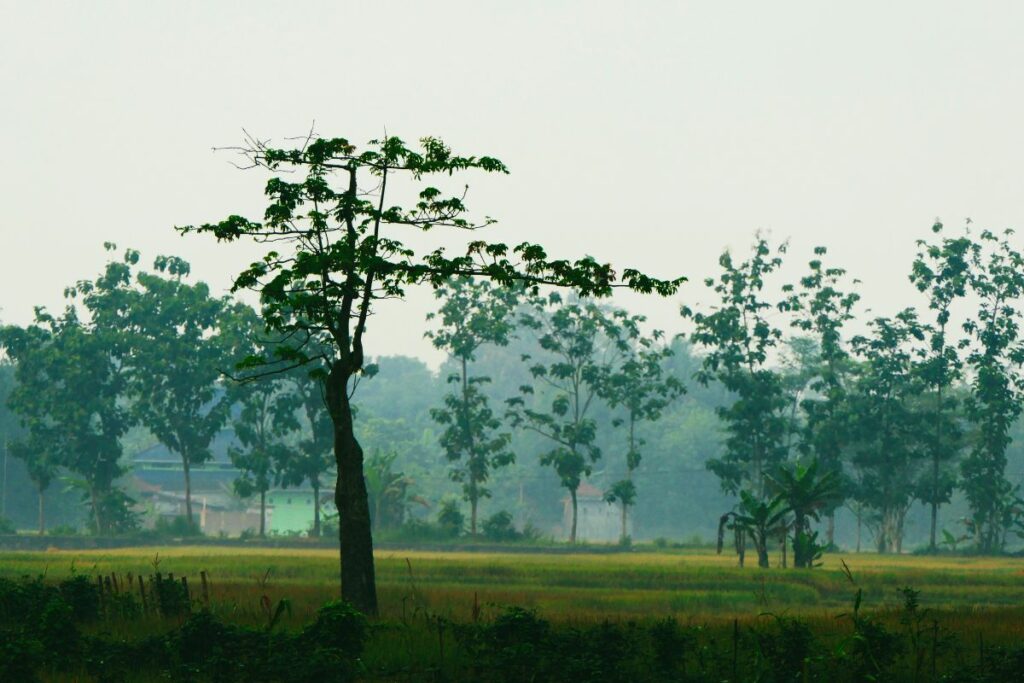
(973, 602)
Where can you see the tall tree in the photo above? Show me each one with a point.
(577, 340)
(264, 421)
(70, 397)
(886, 425)
(739, 336)
(176, 340)
(639, 386)
(312, 460)
(473, 313)
(942, 272)
(997, 281)
(823, 306)
(38, 450)
(335, 251)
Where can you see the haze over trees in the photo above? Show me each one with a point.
(344, 252)
(787, 394)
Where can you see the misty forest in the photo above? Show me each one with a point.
(384, 407)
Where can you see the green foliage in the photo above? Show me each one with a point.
(390, 492)
(942, 272)
(887, 421)
(312, 459)
(822, 307)
(265, 420)
(68, 394)
(450, 517)
(6, 527)
(638, 385)
(176, 527)
(806, 495)
(996, 278)
(171, 341)
(739, 336)
(334, 255)
(759, 519)
(473, 314)
(578, 341)
(500, 528)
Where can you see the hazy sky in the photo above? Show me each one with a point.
(650, 134)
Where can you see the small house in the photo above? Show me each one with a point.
(597, 521)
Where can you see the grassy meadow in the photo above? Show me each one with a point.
(969, 603)
(688, 584)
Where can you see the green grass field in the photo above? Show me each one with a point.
(970, 601)
(687, 584)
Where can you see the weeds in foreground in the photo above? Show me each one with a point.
(123, 628)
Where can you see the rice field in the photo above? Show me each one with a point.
(687, 584)
(972, 607)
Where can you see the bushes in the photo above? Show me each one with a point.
(450, 518)
(499, 528)
(6, 526)
(40, 628)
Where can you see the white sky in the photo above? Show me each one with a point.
(650, 134)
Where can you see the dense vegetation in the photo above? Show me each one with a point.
(675, 615)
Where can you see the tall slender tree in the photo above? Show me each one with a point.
(739, 336)
(823, 305)
(264, 421)
(942, 271)
(311, 461)
(887, 422)
(639, 386)
(473, 313)
(578, 341)
(997, 281)
(335, 250)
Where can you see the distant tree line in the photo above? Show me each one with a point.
(812, 414)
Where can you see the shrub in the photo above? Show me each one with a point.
(176, 527)
(499, 528)
(6, 527)
(450, 517)
(82, 596)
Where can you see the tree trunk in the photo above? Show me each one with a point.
(188, 488)
(472, 515)
(622, 537)
(96, 510)
(358, 583)
(858, 530)
(263, 514)
(762, 554)
(575, 509)
(935, 469)
(42, 512)
(315, 483)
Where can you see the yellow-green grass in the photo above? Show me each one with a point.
(690, 585)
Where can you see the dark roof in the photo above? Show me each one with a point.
(219, 448)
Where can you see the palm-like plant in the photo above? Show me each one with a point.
(761, 520)
(387, 490)
(806, 494)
